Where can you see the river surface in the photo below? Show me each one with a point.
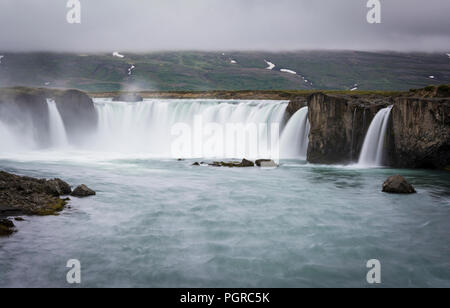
(161, 222)
(165, 223)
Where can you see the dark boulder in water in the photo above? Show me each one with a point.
(6, 227)
(128, 98)
(83, 191)
(398, 185)
(247, 163)
(244, 163)
(266, 163)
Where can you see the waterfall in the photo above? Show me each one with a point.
(294, 140)
(372, 150)
(154, 128)
(57, 130)
(147, 127)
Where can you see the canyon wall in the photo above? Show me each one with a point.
(418, 134)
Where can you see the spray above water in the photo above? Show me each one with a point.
(373, 147)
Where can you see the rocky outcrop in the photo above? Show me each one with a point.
(78, 113)
(30, 196)
(266, 163)
(339, 125)
(242, 164)
(420, 133)
(128, 97)
(83, 191)
(398, 185)
(6, 227)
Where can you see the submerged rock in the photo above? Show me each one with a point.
(247, 163)
(6, 227)
(266, 163)
(83, 191)
(398, 185)
(242, 164)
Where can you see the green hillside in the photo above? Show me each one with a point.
(201, 71)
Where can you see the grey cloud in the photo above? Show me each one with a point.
(144, 25)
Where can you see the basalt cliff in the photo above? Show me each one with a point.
(418, 133)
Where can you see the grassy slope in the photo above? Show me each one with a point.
(203, 71)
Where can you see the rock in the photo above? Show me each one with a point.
(294, 105)
(398, 185)
(6, 227)
(196, 164)
(29, 196)
(266, 163)
(339, 125)
(19, 219)
(420, 133)
(128, 98)
(242, 164)
(58, 187)
(83, 191)
(247, 163)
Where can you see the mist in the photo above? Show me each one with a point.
(282, 25)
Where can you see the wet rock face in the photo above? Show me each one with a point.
(78, 113)
(30, 196)
(398, 185)
(295, 105)
(83, 191)
(339, 125)
(420, 133)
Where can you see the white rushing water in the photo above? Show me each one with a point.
(173, 128)
(294, 139)
(372, 150)
(57, 130)
(151, 126)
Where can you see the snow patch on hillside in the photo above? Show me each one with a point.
(284, 70)
(117, 54)
(270, 65)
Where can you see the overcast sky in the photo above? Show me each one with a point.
(147, 25)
